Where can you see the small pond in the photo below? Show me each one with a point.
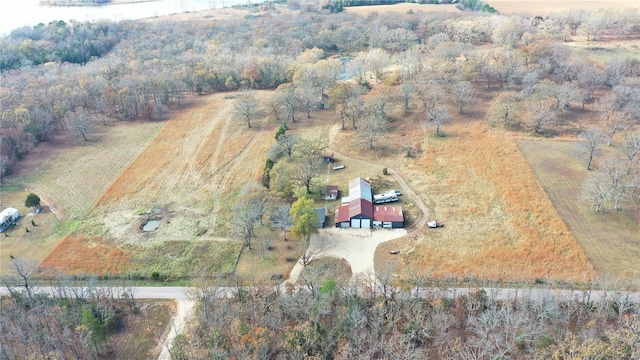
(151, 225)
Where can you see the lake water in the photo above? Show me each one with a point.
(17, 13)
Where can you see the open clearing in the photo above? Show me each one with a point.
(69, 175)
(187, 178)
(612, 241)
(403, 8)
(545, 7)
(499, 222)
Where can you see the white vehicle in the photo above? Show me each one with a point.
(435, 224)
(339, 167)
(394, 192)
(384, 198)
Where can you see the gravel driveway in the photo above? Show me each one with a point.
(356, 246)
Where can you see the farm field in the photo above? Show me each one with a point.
(187, 179)
(612, 240)
(69, 178)
(500, 224)
(402, 7)
(545, 7)
(189, 175)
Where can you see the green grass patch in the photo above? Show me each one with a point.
(185, 259)
(323, 270)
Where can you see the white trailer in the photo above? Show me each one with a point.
(384, 198)
(8, 217)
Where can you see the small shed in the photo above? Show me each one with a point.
(322, 216)
(331, 192)
(8, 217)
(328, 158)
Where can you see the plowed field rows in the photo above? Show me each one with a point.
(74, 177)
(187, 177)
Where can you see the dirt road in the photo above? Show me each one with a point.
(422, 219)
(184, 312)
(358, 246)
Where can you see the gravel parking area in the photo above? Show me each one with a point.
(356, 246)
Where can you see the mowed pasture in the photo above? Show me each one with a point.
(69, 175)
(610, 240)
(545, 7)
(187, 178)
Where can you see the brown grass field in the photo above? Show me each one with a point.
(612, 240)
(499, 222)
(69, 175)
(187, 177)
(402, 8)
(545, 7)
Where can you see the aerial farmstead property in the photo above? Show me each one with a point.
(358, 210)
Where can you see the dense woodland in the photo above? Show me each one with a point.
(337, 322)
(76, 324)
(329, 319)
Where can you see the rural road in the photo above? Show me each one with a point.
(502, 294)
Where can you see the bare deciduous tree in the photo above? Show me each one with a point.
(24, 275)
(345, 98)
(288, 143)
(304, 172)
(430, 94)
(541, 115)
(631, 148)
(246, 107)
(249, 210)
(505, 109)
(404, 93)
(289, 101)
(371, 131)
(312, 147)
(612, 118)
(80, 121)
(463, 95)
(438, 116)
(281, 219)
(591, 138)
